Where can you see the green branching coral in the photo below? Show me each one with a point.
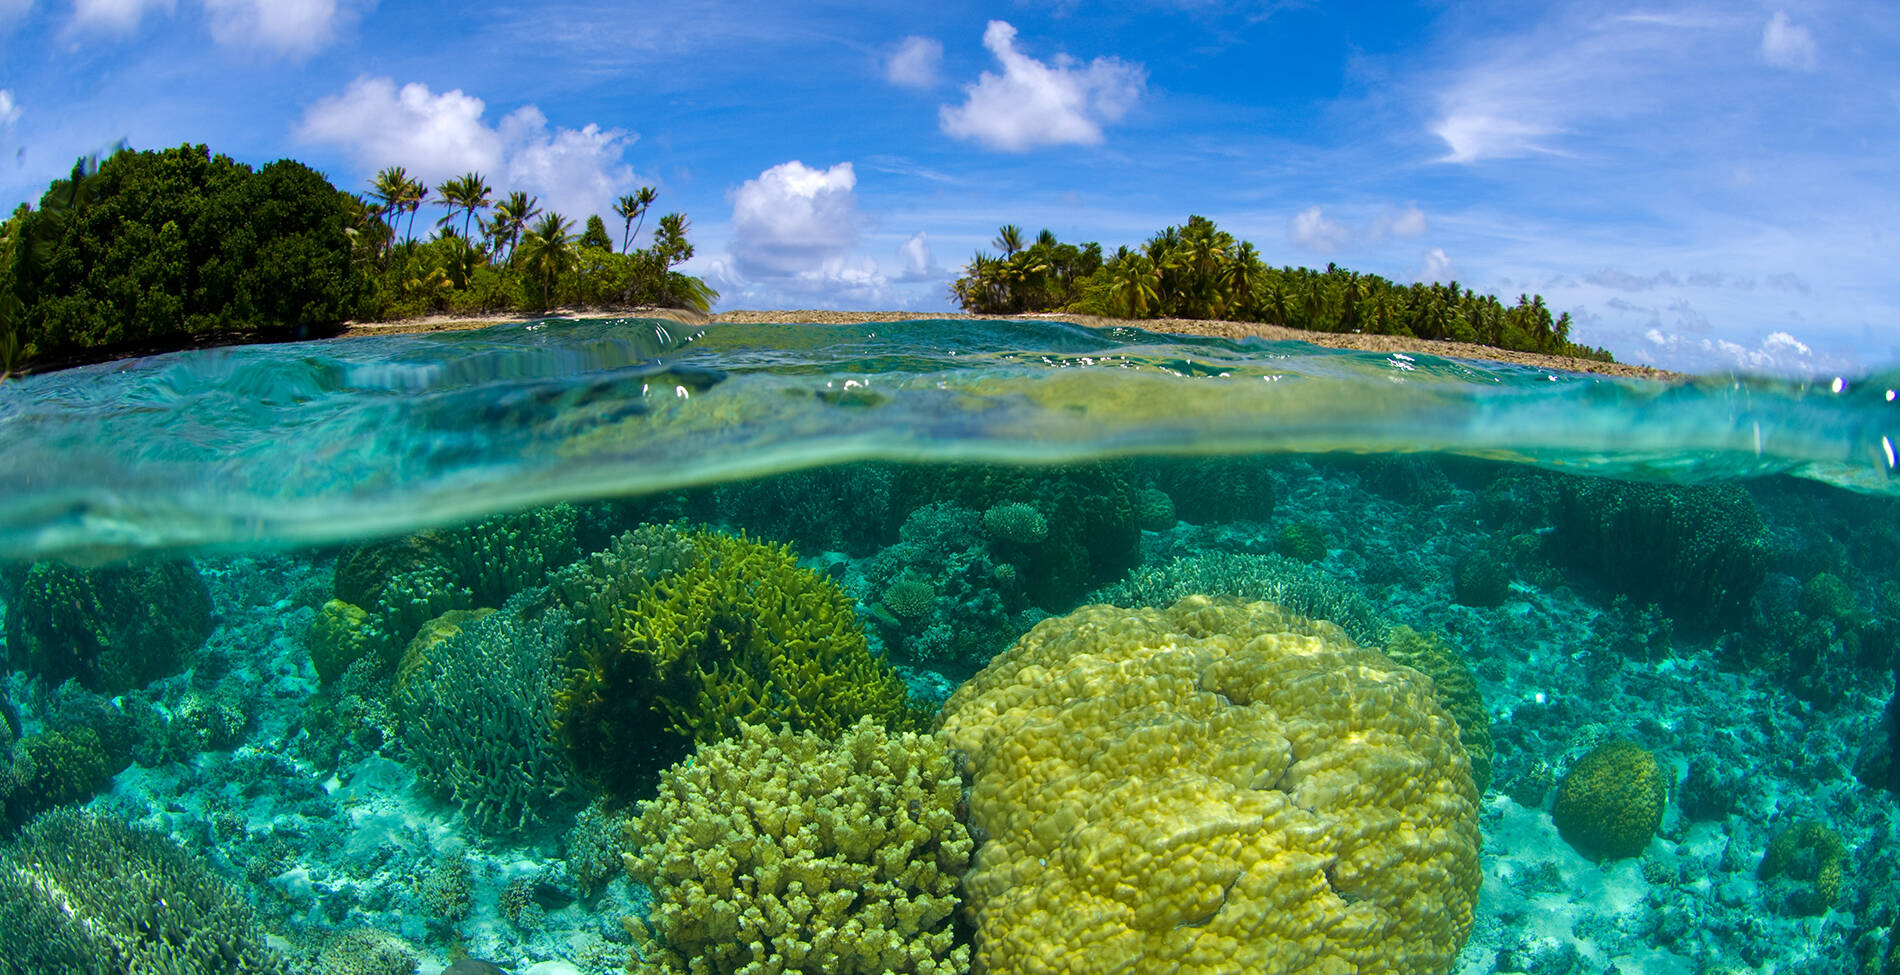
(790, 852)
(476, 720)
(1611, 801)
(736, 633)
(1813, 860)
(90, 895)
(114, 629)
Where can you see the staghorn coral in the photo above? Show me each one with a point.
(82, 894)
(1016, 522)
(789, 852)
(739, 633)
(1611, 801)
(1214, 787)
(475, 720)
(114, 629)
(1812, 860)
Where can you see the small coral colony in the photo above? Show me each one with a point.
(883, 718)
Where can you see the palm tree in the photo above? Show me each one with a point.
(1009, 239)
(390, 190)
(511, 217)
(547, 251)
(413, 193)
(1134, 287)
(669, 242)
(468, 193)
(634, 207)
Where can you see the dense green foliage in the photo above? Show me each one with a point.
(1201, 272)
(179, 247)
(172, 247)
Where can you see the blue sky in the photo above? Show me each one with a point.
(1703, 186)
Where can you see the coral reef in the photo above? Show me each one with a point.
(476, 719)
(1301, 541)
(1457, 690)
(1698, 551)
(1482, 577)
(1611, 801)
(941, 597)
(737, 633)
(114, 629)
(1154, 510)
(790, 852)
(90, 895)
(1214, 489)
(1810, 859)
(1216, 787)
(1089, 511)
(1296, 587)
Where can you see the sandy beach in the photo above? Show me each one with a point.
(1179, 326)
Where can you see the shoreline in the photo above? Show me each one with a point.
(1178, 326)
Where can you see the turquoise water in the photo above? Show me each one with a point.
(294, 698)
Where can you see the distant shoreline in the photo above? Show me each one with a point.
(1178, 326)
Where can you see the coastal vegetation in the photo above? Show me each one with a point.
(1199, 271)
(171, 248)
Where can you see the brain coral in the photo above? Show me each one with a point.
(1610, 803)
(788, 852)
(1213, 787)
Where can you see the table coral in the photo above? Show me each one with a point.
(1213, 787)
(789, 852)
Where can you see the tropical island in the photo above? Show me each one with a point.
(151, 251)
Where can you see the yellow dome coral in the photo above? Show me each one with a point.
(1213, 787)
(1610, 803)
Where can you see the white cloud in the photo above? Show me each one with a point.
(116, 15)
(574, 172)
(1785, 45)
(793, 219)
(915, 63)
(1471, 135)
(915, 253)
(1409, 222)
(1034, 104)
(1778, 352)
(9, 109)
(1437, 266)
(1315, 231)
(293, 27)
(1783, 343)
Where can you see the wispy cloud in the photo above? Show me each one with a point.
(1785, 45)
(116, 16)
(296, 28)
(915, 63)
(9, 109)
(1033, 104)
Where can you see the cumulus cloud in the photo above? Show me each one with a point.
(1315, 231)
(1437, 267)
(9, 109)
(915, 62)
(1777, 352)
(793, 219)
(1033, 104)
(575, 172)
(915, 256)
(293, 27)
(119, 16)
(1785, 45)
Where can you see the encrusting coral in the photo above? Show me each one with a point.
(1813, 858)
(787, 852)
(1213, 787)
(114, 629)
(1611, 801)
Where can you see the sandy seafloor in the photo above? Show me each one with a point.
(366, 851)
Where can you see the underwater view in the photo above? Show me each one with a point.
(567, 647)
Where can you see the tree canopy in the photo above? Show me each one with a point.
(1199, 271)
(147, 251)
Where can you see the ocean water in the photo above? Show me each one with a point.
(550, 646)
